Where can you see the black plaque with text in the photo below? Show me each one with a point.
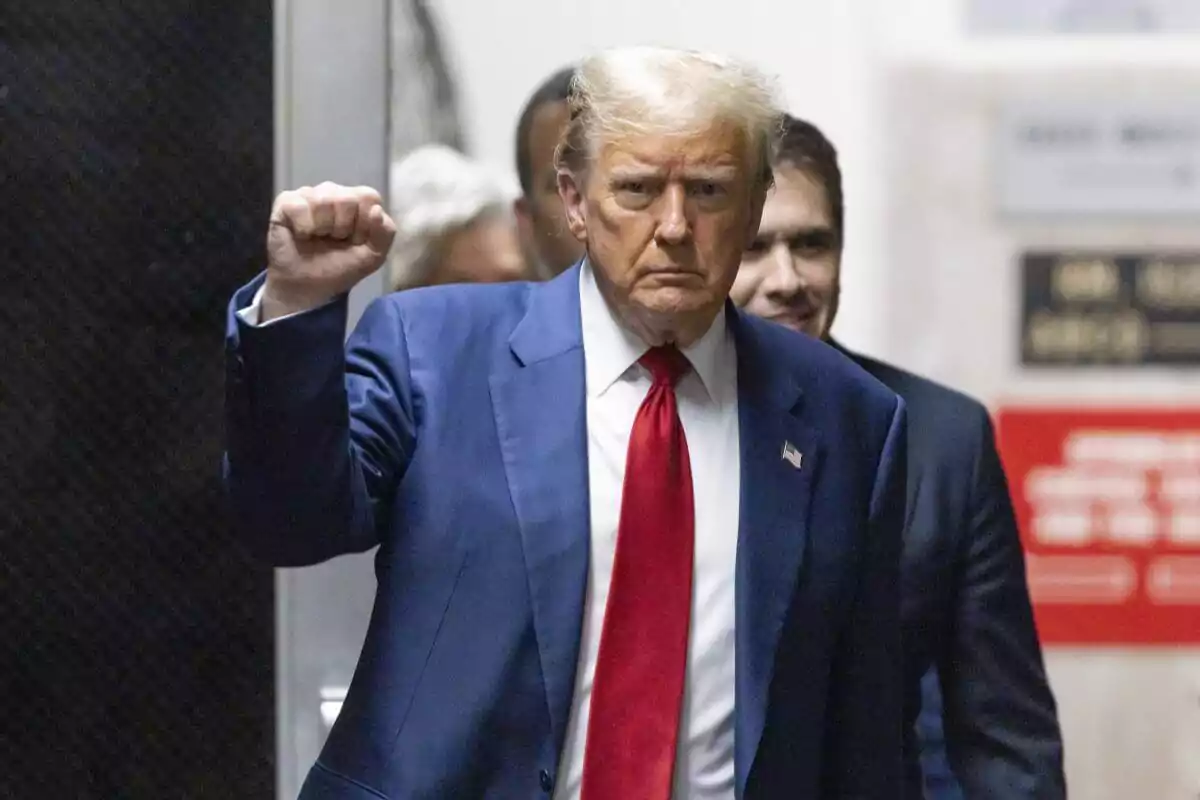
(1110, 309)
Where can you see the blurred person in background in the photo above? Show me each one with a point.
(454, 222)
(543, 223)
(966, 608)
(531, 458)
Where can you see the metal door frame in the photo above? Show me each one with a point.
(332, 86)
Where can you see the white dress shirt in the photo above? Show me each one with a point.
(707, 401)
(708, 408)
(252, 314)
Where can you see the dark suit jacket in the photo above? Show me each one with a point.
(451, 432)
(966, 610)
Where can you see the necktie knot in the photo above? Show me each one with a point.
(665, 364)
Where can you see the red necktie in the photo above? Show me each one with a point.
(637, 693)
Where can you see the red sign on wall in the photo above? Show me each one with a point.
(1108, 501)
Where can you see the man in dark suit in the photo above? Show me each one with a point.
(540, 215)
(966, 609)
(632, 543)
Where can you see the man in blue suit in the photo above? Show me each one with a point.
(966, 609)
(632, 544)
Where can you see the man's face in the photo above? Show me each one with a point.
(544, 229)
(790, 273)
(665, 220)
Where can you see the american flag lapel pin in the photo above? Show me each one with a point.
(792, 455)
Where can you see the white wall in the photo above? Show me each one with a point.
(322, 612)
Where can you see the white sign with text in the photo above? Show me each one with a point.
(1061, 157)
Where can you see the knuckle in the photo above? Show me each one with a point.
(328, 192)
(292, 207)
(285, 199)
(367, 195)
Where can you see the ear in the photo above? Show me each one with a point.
(835, 302)
(574, 200)
(758, 199)
(524, 217)
(521, 208)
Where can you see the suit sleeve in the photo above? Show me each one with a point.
(866, 707)
(1001, 725)
(318, 433)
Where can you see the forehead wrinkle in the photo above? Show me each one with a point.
(714, 172)
(720, 141)
(719, 165)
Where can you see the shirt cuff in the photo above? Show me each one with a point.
(252, 314)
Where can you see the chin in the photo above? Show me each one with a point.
(672, 299)
(812, 328)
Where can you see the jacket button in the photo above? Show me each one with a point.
(545, 781)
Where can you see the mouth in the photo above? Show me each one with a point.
(797, 320)
(670, 269)
(671, 274)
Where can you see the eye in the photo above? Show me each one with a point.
(812, 243)
(635, 193)
(758, 247)
(708, 189)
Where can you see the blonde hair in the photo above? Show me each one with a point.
(636, 91)
(434, 192)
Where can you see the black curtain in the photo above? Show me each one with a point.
(136, 638)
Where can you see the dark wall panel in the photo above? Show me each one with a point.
(136, 638)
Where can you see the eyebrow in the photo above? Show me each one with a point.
(698, 173)
(793, 232)
(712, 173)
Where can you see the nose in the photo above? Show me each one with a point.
(784, 280)
(673, 225)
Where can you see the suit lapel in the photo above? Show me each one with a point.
(773, 528)
(539, 404)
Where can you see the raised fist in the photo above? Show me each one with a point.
(320, 243)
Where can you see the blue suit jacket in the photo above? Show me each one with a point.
(992, 729)
(451, 433)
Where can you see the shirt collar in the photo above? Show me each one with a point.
(610, 349)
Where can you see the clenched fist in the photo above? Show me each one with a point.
(321, 242)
